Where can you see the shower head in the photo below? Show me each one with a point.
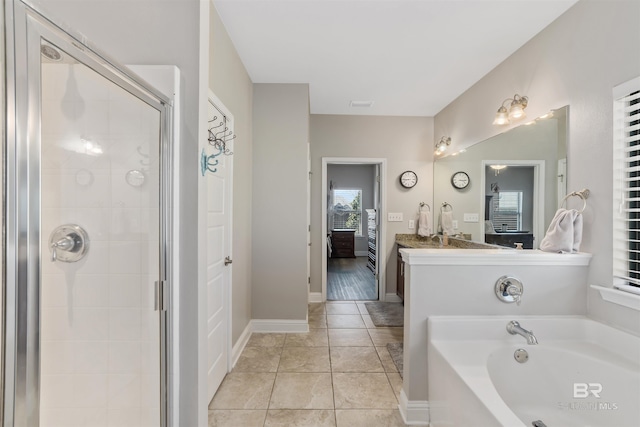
(50, 52)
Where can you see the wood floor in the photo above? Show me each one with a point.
(349, 279)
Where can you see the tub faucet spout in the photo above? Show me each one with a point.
(514, 328)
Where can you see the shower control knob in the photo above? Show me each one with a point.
(68, 243)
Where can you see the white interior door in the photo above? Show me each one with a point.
(219, 188)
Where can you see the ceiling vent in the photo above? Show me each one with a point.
(365, 104)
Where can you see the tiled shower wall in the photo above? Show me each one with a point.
(100, 333)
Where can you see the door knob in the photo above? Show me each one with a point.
(227, 261)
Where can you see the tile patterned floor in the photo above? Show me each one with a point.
(339, 374)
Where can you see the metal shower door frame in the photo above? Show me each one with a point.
(25, 26)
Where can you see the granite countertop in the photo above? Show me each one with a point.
(413, 241)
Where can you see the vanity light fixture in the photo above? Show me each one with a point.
(515, 112)
(441, 146)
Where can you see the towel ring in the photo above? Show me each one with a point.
(423, 204)
(444, 206)
(583, 194)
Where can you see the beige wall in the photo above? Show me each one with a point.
(279, 201)
(406, 143)
(577, 60)
(229, 80)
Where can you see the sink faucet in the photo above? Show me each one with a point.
(433, 236)
(514, 328)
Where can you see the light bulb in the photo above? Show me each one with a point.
(501, 117)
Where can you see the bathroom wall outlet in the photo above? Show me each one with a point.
(455, 224)
(471, 217)
(412, 224)
(394, 217)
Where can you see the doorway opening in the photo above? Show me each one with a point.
(513, 200)
(352, 201)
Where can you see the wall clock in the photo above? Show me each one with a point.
(460, 180)
(408, 179)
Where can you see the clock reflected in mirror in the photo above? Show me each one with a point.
(460, 180)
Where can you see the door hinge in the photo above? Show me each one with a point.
(309, 228)
(161, 295)
(310, 175)
(377, 178)
(309, 280)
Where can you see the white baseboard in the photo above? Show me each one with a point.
(414, 412)
(361, 253)
(392, 298)
(315, 296)
(281, 326)
(240, 345)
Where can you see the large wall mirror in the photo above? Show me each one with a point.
(517, 182)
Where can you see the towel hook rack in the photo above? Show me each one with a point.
(583, 194)
(444, 206)
(423, 204)
(219, 137)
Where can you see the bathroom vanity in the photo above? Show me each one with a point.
(413, 241)
(510, 238)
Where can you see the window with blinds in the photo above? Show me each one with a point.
(507, 211)
(347, 210)
(626, 218)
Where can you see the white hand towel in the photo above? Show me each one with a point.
(446, 222)
(564, 233)
(424, 224)
(577, 232)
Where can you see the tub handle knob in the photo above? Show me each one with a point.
(509, 289)
(515, 292)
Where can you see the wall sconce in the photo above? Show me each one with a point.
(515, 112)
(441, 146)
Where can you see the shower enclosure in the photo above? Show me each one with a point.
(86, 222)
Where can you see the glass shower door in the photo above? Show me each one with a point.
(100, 172)
(87, 265)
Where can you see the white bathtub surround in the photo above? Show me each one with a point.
(461, 282)
(619, 296)
(475, 380)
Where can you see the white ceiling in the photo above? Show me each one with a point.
(411, 57)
